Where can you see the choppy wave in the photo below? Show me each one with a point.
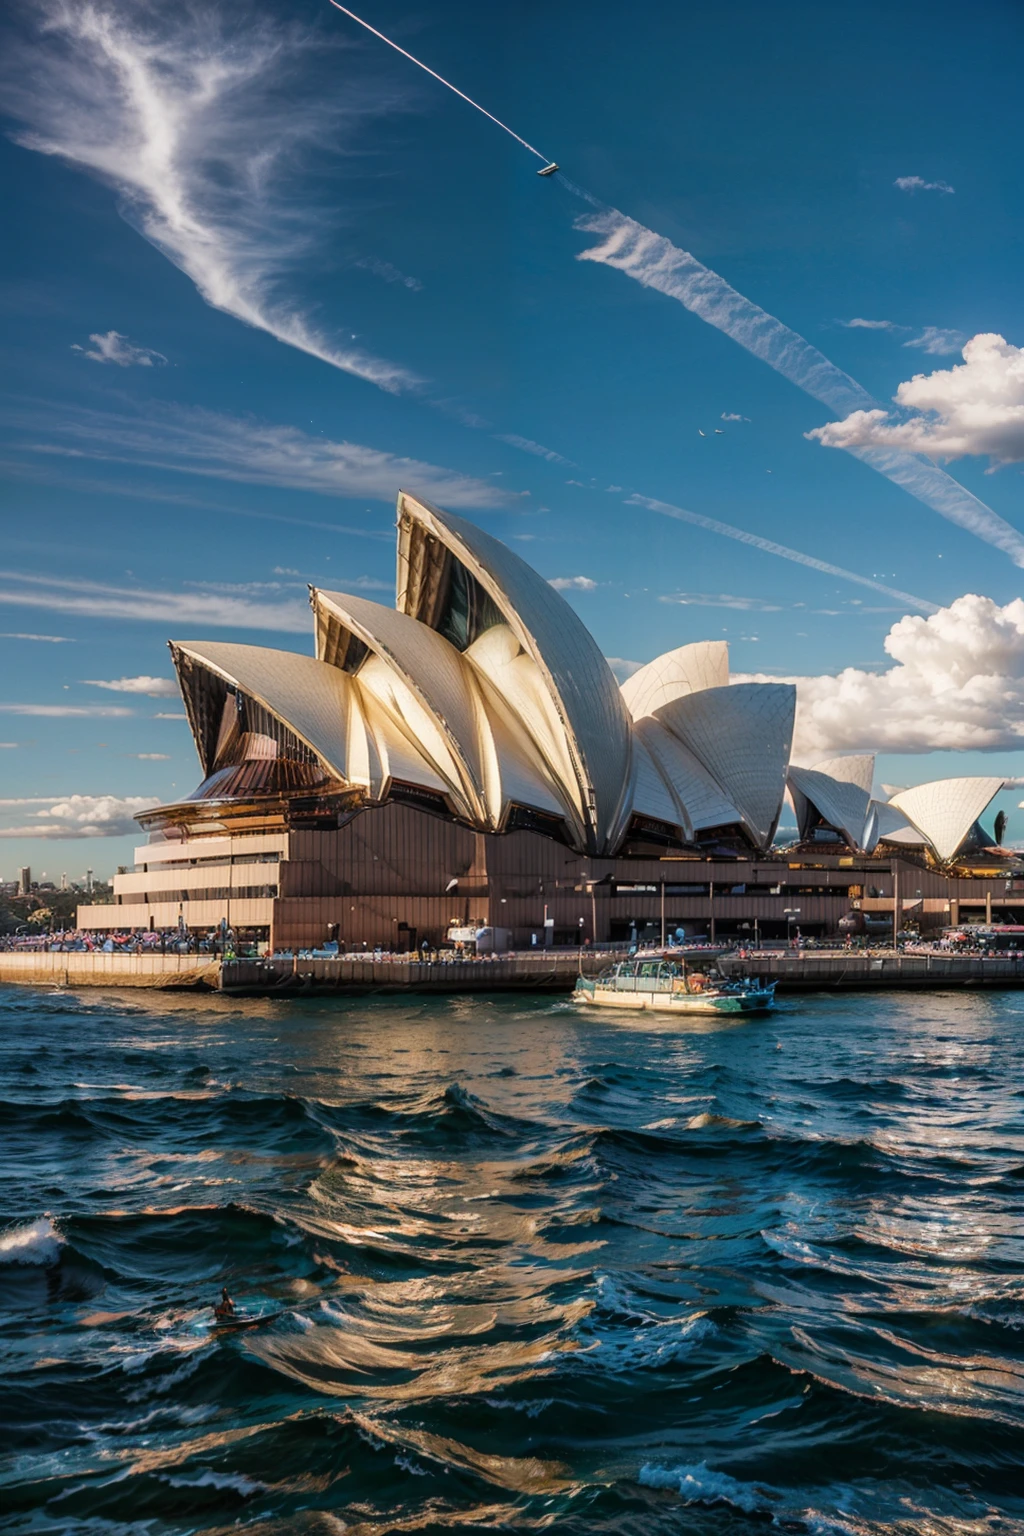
(31, 1242)
(509, 1268)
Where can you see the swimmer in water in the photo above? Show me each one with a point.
(225, 1308)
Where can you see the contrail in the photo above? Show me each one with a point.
(655, 262)
(771, 548)
(420, 64)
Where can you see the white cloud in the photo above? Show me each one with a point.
(390, 274)
(957, 685)
(151, 757)
(974, 408)
(937, 342)
(98, 600)
(153, 687)
(720, 600)
(656, 263)
(623, 668)
(857, 324)
(918, 184)
(79, 816)
(193, 116)
(9, 746)
(112, 347)
(527, 445)
(199, 442)
(733, 416)
(68, 711)
(170, 715)
(572, 584)
(51, 639)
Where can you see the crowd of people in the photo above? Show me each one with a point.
(167, 941)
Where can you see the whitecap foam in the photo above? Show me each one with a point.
(34, 1242)
(236, 1481)
(701, 1484)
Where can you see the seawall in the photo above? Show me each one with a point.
(811, 971)
(806, 971)
(77, 968)
(354, 974)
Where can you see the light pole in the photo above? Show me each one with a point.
(790, 913)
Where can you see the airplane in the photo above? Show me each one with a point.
(719, 432)
(548, 170)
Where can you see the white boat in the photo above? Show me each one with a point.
(669, 986)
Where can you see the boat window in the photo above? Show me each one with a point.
(627, 968)
(649, 968)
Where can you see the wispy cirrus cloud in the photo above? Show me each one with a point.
(55, 473)
(572, 584)
(192, 115)
(527, 445)
(918, 184)
(112, 347)
(389, 274)
(152, 687)
(653, 261)
(100, 600)
(937, 342)
(221, 447)
(857, 324)
(720, 600)
(16, 634)
(67, 711)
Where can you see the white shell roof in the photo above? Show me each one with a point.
(844, 805)
(582, 688)
(688, 669)
(431, 669)
(325, 708)
(514, 772)
(945, 810)
(742, 735)
(652, 795)
(309, 697)
(705, 802)
(858, 768)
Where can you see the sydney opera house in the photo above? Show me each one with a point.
(468, 756)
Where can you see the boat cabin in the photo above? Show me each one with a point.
(652, 976)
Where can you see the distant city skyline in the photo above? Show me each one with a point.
(760, 380)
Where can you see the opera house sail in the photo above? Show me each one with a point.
(468, 755)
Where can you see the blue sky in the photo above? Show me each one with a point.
(413, 293)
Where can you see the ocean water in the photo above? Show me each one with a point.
(523, 1270)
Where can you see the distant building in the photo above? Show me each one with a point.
(24, 881)
(467, 756)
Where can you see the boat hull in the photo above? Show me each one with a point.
(680, 1004)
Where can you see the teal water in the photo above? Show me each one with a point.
(528, 1270)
